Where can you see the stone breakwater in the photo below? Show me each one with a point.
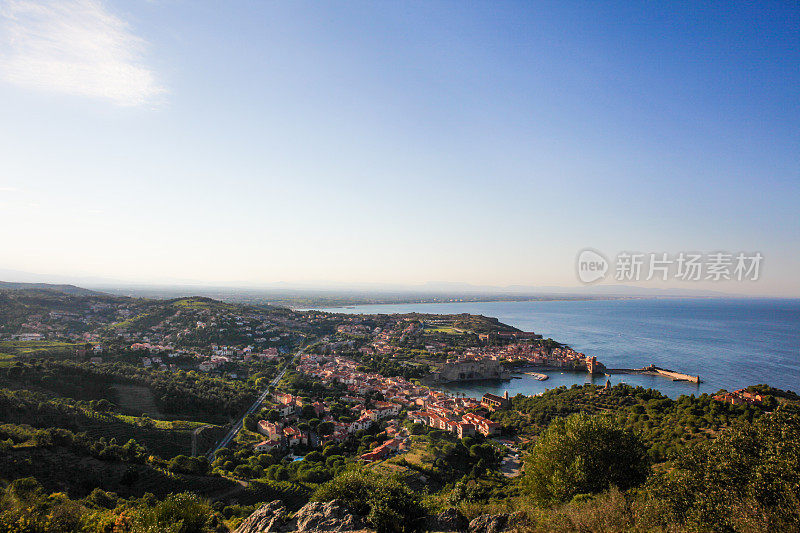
(653, 370)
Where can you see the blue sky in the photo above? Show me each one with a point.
(395, 142)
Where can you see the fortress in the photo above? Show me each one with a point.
(469, 370)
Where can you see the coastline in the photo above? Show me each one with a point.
(715, 338)
(489, 300)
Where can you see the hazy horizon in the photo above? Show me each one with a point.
(178, 288)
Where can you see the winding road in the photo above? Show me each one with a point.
(256, 404)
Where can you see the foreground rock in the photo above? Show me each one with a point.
(273, 517)
(450, 520)
(496, 523)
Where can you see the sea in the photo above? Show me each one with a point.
(730, 343)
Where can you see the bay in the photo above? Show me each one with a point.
(729, 342)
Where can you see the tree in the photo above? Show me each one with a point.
(388, 504)
(584, 454)
(748, 479)
(314, 457)
(251, 422)
(325, 428)
(182, 513)
(188, 465)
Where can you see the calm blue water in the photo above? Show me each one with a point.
(730, 343)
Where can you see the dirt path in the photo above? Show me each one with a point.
(195, 434)
(227, 493)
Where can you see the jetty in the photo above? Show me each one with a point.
(653, 370)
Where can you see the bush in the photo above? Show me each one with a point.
(584, 454)
(388, 504)
(746, 480)
(189, 465)
(178, 513)
(25, 507)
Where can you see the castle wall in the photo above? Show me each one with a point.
(468, 370)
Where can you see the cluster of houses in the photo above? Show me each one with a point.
(146, 346)
(27, 337)
(521, 346)
(69, 325)
(383, 450)
(384, 339)
(352, 329)
(431, 407)
(336, 369)
(461, 418)
(739, 397)
(206, 363)
(258, 335)
(286, 433)
(280, 435)
(225, 354)
(533, 354)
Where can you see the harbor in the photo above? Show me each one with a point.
(524, 383)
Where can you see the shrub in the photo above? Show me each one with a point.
(746, 480)
(584, 454)
(388, 504)
(178, 513)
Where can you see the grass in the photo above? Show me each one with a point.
(447, 330)
(33, 347)
(6, 359)
(125, 323)
(162, 424)
(245, 436)
(418, 455)
(190, 303)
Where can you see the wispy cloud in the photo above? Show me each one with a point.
(76, 47)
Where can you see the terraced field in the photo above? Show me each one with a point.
(166, 443)
(137, 400)
(62, 470)
(37, 347)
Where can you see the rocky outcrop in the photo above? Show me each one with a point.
(329, 516)
(495, 523)
(315, 516)
(450, 520)
(269, 517)
(333, 516)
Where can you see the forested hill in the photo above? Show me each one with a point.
(62, 314)
(70, 316)
(63, 288)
